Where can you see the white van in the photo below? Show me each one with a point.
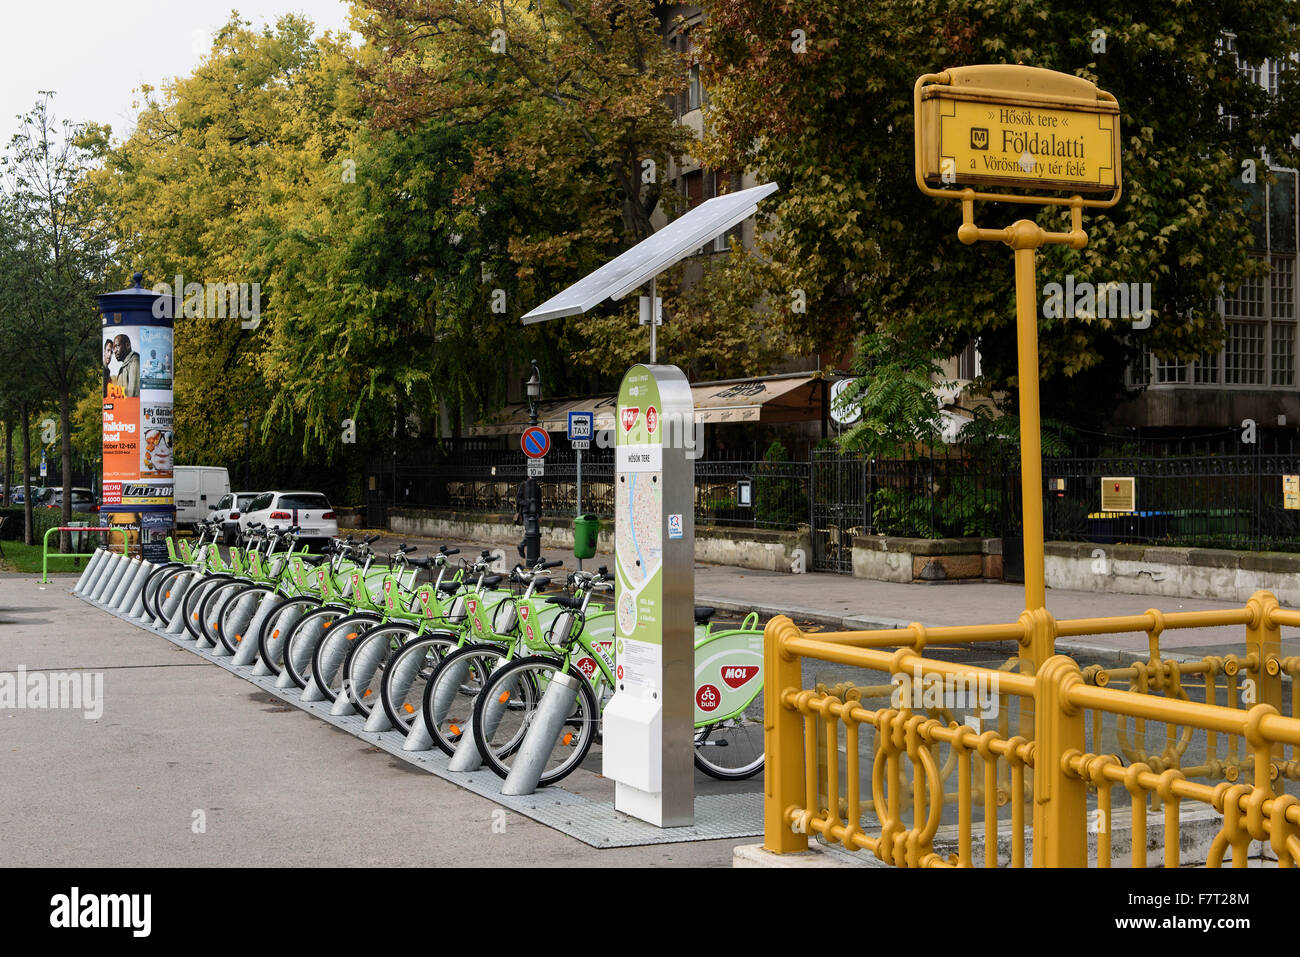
(198, 490)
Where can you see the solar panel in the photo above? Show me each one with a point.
(654, 254)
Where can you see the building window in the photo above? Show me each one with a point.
(969, 362)
(1282, 328)
(1205, 370)
(1170, 371)
(1247, 301)
(701, 184)
(1243, 356)
(694, 92)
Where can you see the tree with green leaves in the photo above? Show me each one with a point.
(60, 251)
(581, 91)
(817, 95)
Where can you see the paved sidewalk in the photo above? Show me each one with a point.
(182, 764)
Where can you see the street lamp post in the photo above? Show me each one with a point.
(531, 504)
(247, 431)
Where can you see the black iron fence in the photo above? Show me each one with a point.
(1223, 501)
(1227, 501)
(754, 494)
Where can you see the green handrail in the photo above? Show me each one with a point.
(45, 546)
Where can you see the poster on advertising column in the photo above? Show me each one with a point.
(138, 436)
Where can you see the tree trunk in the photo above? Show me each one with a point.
(24, 412)
(65, 443)
(9, 461)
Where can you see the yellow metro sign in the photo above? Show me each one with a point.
(1018, 126)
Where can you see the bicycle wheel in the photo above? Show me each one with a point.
(332, 651)
(408, 671)
(300, 644)
(194, 600)
(732, 750)
(150, 590)
(367, 663)
(213, 603)
(506, 709)
(449, 694)
(238, 613)
(276, 627)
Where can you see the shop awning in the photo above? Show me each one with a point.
(796, 397)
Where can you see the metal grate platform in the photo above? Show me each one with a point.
(595, 823)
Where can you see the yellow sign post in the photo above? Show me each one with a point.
(1019, 127)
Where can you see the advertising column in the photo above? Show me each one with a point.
(137, 425)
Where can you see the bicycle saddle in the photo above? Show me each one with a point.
(493, 580)
(565, 601)
(449, 588)
(703, 613)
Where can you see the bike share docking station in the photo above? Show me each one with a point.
(648, 724)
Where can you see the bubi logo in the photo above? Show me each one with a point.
(630, 415)
(707, 698)
(587, 666)
(651, 419)
(736, 675)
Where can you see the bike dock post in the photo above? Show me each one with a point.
(115, 591)
(101, 575)
(364, 671)
(167, 603)
(88, 573)
(174, 609)
(247, 635)
(552, 712)
(108, 581)
(467, 757)
(418, 738)
(142, 572)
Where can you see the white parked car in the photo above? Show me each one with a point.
(228, 511)
(310, 511)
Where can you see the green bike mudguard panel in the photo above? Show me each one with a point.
(728, 672)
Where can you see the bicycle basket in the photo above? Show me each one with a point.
(505, 617)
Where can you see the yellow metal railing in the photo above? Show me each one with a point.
(871, 769)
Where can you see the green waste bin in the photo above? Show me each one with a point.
(585, 529)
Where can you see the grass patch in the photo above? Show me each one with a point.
(27, 558)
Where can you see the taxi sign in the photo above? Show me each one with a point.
(1018, 126)
(581, 427)
(536, 442)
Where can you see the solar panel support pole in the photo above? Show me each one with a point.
(654, 325)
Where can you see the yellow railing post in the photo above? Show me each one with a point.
(1264, 640)
(1060, 796)
(783, 741)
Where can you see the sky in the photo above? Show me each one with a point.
(94, 53)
